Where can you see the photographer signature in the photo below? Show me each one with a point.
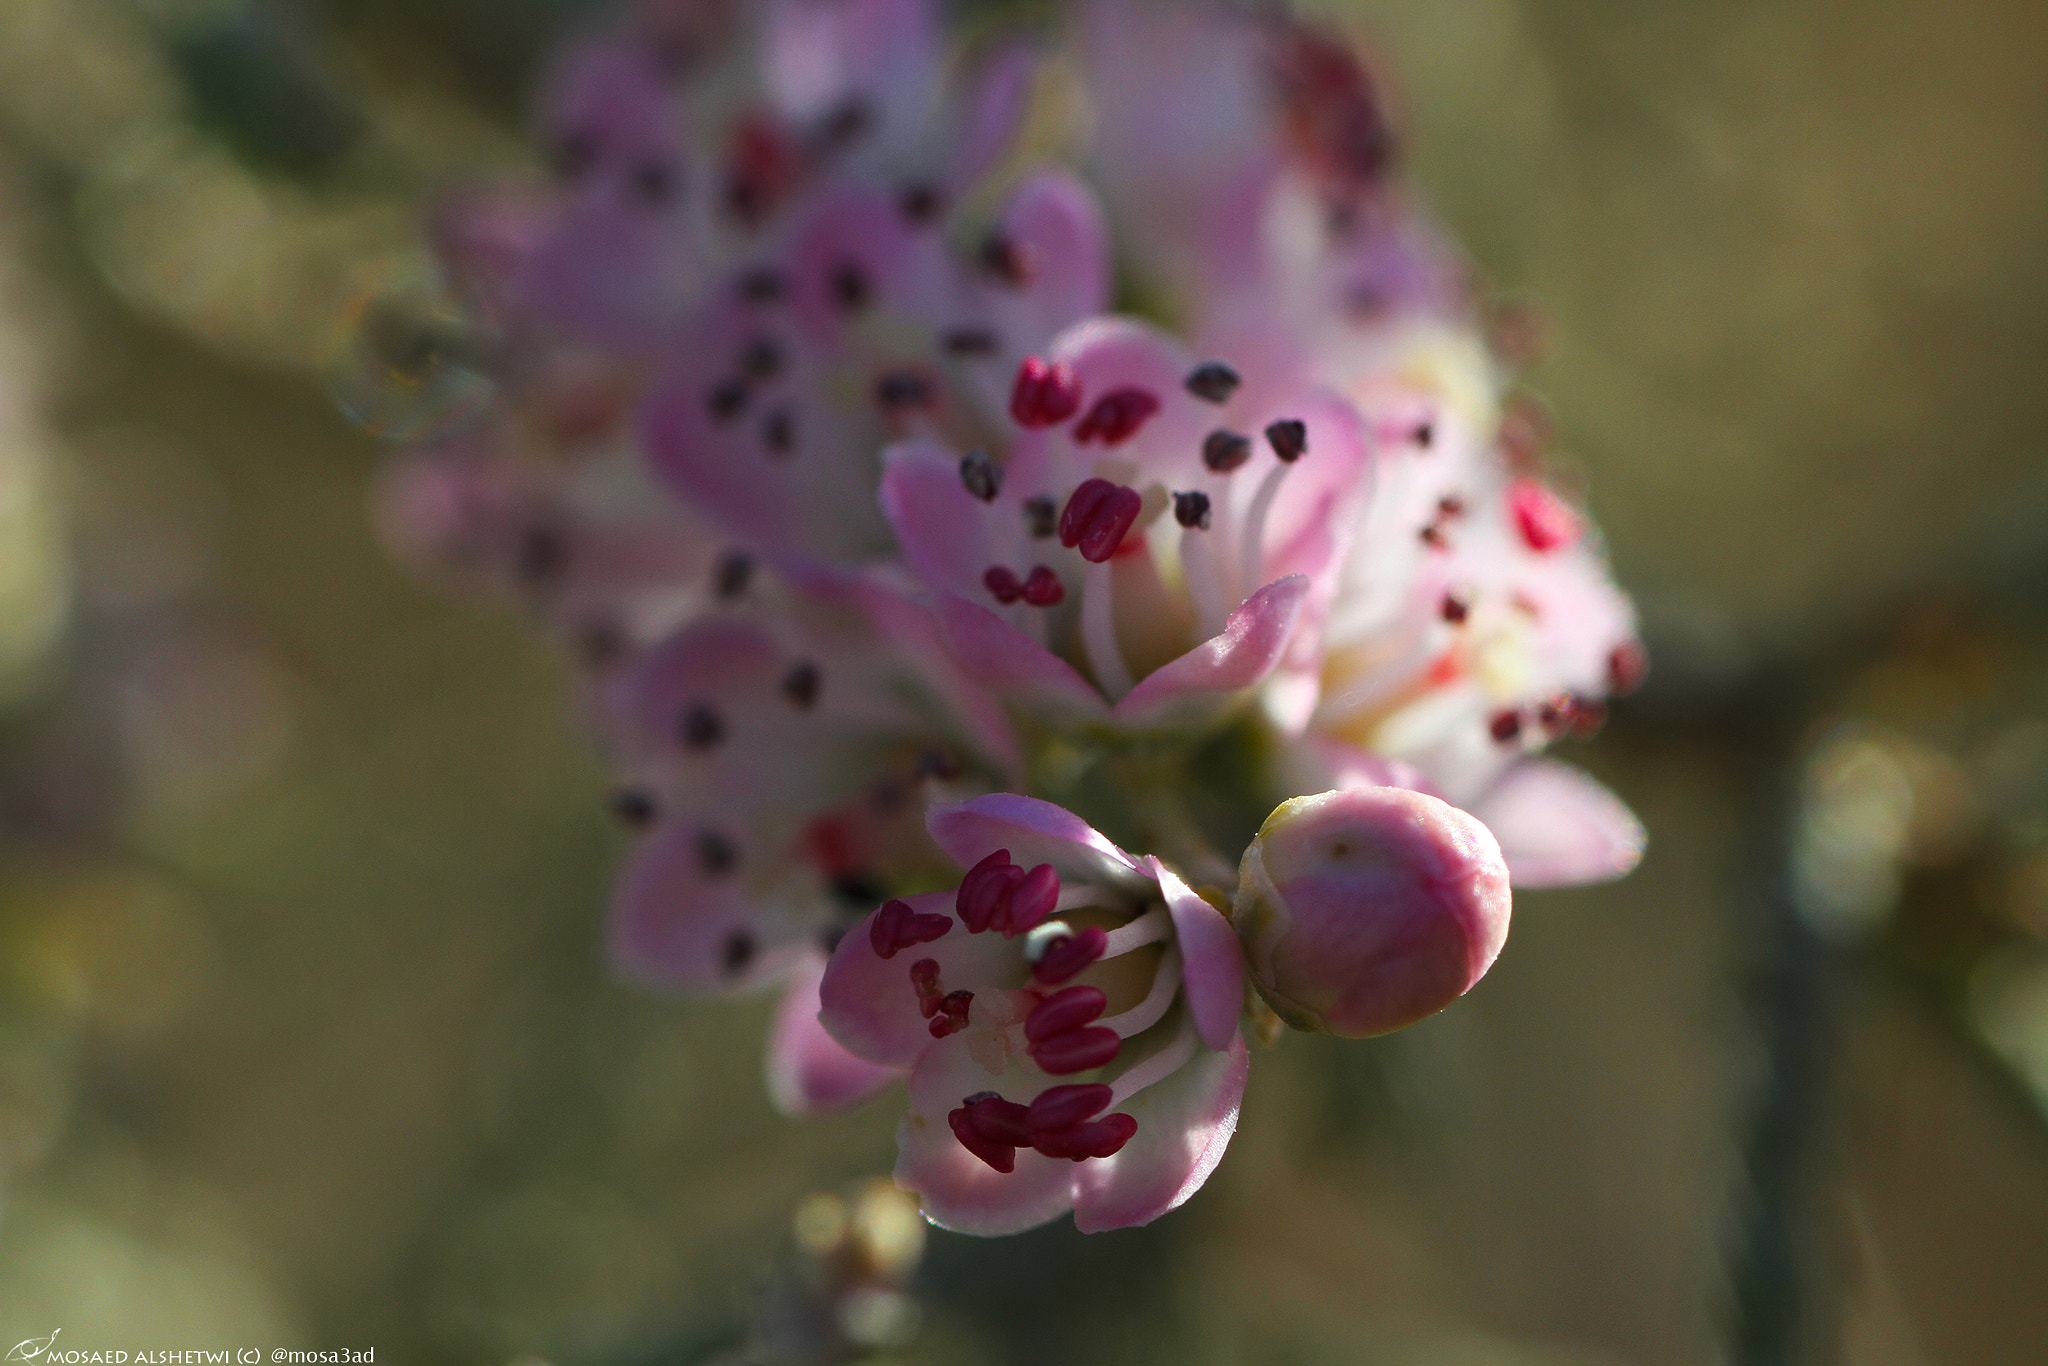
(31, 1348)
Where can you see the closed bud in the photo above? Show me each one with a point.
(1367, 909)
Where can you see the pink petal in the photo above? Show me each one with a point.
(957, 1189)
(1034, 832)
(948, 536)
(1056, 222)
(1212, 961)
(809, 1071)
(672, 926)
(1009, 663)
(867, 1001)
(995, 109)
(1184, 1124)
(1207, 677)
(1559, 828)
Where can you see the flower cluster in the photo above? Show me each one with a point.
(905, 576)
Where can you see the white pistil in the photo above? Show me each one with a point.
(1202, 575)
(1148, 928)
(1253, 546)
(1160, 1065)
(1098, 633)
(1145, 1014)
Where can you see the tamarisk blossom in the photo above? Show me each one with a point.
(1068, 1017)
(872, 531)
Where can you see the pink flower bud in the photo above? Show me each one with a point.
(1364, 910)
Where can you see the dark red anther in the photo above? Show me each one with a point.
(1062, 1107)
(1546, 521)
(1031, 901)
(924, 976)
(998, 1120)
(1104, 1137)
(1062, 1012)
(896, 926)
(1505, 726)
(1628, 664)
(1044, 394)
(1116, 416)
(1077, 1050)
(1068, 954)
(985, 889)
(1003, 585)
(1455, 608)
(1212, 381)
(1224, 450)
(1588, 717)
(951, 1016)
(1042, 587)
(1288, 438)
(1001, 1156)
(1096, 518)
(981, 476)
(1191, 510)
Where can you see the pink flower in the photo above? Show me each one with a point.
(1068, 1017)
(1153, 542)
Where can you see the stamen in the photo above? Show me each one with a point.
(1098, 634)
(1628, 664)
(1044, 394)
(1001, 1156)
(1160, 1065)
(1456, 607)
(1191, 509)
(1062, 1107)
(919, 203)
(1288, 438)
(716, 855)
(984, 889)
(1041, 516)
(1064, 1012)
(1148, 928)
(802, 684)
(1078, 1050)
(702, 727)
(1546, 522)
(1505, 726)
(1042, 587)
(850, 287)
(727, 401)
(969, 341)
(1203, 575)
(1213, 381)
(1007, 259)
(1252, 548)
(1224, 451)
(1104, 1137)
(1097, 516)
(1031, 901)
(762, 359)
(1148, 1012)
(778, 431)
(903, 389)
(1117, 416)
(633, 807)
(1068, 954)
(737, 952)
(924, 979)
(982, 477)
(735, 571)
(897, 926)
(952, 1014)
(1003, 584)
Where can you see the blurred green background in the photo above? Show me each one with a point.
(305, 1036)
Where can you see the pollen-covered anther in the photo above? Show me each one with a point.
(1117, 416)
(896, 926)
(1213, 381)
(1065, 955)
(1042, 587)
(1045, 394)
(1224, 450)
(1289, 439)
(952, 1014)
(1003, 584)
(981, 476)
(1097, 516)
(1545, 520)
(1191, 509)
